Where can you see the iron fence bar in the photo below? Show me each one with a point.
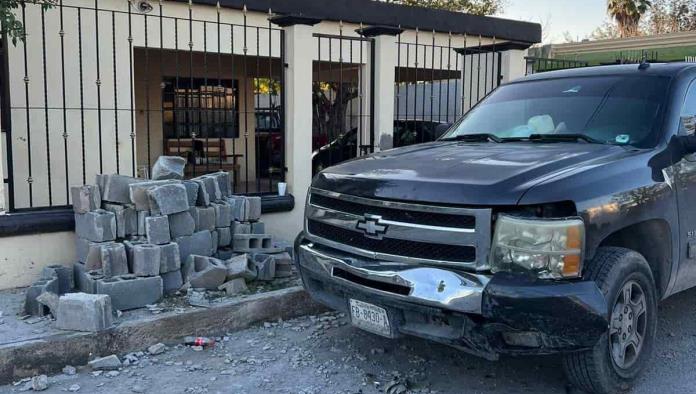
(493, 73)
(463, 78)
(415, 85)
(257, 149)
(478, 71)
(26, 99)
(61, 33)
(398, 77)
(161, 73)
(350, 108)
(189, 94)
(147, 93)
(408, 83)
(131, 83)
(331, 126)
(45, 89)
(246, 105)
(175, 95)
(371, 43)
(449, 68)
(6, 103)
(342, 125)
(439, 91)
(222, 93)
(271, 109)
(282, 103)
(485, 75)
(113, 56)
(432, 84)
(235, 114)
(98, 83)
(203, 98)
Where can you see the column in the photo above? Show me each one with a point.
(513, 64)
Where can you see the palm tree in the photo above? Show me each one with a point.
(627, 14)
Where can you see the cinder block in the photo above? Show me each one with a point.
(84, 312)
(253, 243)
(168, 199)
(204, 272)
(254, 208)
(126, 219)
(239, 267)
(208, 191)
(241, 228)
(168, 167)
(141, 216)
(130, 291)
(234, 286)
(172, 281)
(89, 252)
(86, 280)
(214, 238)
(204, 218)
(129, 245)
(138, 192)
(265, 266)
(96, 226)
(223, 180)
(224, 253)
(224, 237)
(146, 260)
(114, 260)
(223, 214)
(170, 260)
(31, 305)
(181, 224)
(85, 198)
(191, 191)
(115, 187)
(157, 230)
(245, 208)
(283, 264)
(66, 279)
(258, 228)
(198, 243)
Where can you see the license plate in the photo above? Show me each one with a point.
(370, 317)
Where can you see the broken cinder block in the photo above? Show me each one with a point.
(126, 219)
(84, 312)
(115, 187)
(31, 305)
(86, 280)
(204, 272)
(85, 198)
(66, 279)
(234, 286)
(114, 260)
(96, 226)
(130, 291)
(168, 167)
(168, 199)
(137, 192)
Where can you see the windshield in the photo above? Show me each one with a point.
(610, 109)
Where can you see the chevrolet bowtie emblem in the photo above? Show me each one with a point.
(372, 227)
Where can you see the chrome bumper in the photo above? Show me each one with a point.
(435, 287)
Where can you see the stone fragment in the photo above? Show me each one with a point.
(283, 264)
(50, 301)
(96, 226)
(138, 192)
(66, 279)
(168, 167)
(204, 272)
(108, 363)
(157, 230)
(168, 199)
(181, 224)
(156, 349)
(69, 370)
(114, 260)
(223, 214)
(74, 388)
(170, 259)
(265, 266)
(39, 383)
(234, 286)
(85, 198)
(198, 243)
(86, 280)
(258, 228)
(115, 187)
(224, 236)
(146, 260)
(191, 191)
(241, 228)
(172, 281)
(204, 218)
(253, 243)
(31, 305)
(84, 312)
(130, 291)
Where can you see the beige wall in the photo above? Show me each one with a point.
(23, 257)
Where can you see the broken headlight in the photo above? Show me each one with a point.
(551, 248)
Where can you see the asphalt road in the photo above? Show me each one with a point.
(324, 354)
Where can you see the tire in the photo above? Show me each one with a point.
(602, 369)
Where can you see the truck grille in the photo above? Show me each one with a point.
(398, 231)
(419, 250)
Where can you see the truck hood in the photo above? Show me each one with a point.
(463, 172)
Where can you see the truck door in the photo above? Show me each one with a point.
(685, 184)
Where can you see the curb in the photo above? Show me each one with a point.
(50, 354)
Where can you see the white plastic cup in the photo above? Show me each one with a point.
(282, 188)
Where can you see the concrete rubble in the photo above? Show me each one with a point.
(140, 239)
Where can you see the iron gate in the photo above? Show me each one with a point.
(342, 99)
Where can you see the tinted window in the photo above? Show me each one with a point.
(611, 109)
(689, 108)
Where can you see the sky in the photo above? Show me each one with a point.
(579, 18)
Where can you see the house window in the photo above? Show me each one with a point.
(200, 108)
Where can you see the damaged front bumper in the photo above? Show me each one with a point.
(482, 314)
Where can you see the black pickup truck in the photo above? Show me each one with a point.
(551, 218)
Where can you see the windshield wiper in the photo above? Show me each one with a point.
(563, 137)
(477, 137)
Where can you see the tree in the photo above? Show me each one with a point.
(627, 14)
(476, 7)
(606, 31)
(670, 16)
(9, 24)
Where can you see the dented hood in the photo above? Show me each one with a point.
(462, 172)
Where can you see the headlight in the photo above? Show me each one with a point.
(553, 249)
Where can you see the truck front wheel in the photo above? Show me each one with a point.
(625, 279)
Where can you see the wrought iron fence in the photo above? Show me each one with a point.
(342, 99)
(541, 64)
(437, 82)
(110, 87)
